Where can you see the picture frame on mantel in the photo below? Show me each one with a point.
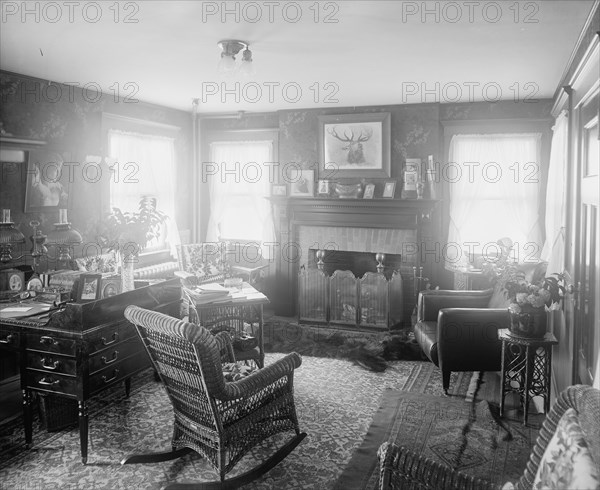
(304, 184)
(354, 146)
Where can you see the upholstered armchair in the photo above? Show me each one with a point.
(218, 417)
(458, 330)
(566, 453)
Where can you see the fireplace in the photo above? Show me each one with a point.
(351, 232)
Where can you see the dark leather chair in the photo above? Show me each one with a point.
(458, 330)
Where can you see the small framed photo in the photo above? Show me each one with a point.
(324, 187)
(369, 191)
(389, 189)
(110, 286)
(304, 184)
(89, 287)
(279, 190)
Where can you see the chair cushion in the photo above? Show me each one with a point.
(567, 461)
(234, 371)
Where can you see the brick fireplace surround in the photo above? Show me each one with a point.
(392, 226)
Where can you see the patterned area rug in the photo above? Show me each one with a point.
(468, 437)
(336, 401)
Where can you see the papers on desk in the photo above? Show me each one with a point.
(24, 309)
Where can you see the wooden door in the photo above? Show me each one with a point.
(587, 243)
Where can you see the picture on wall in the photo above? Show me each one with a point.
(354, 145)
(47, 185)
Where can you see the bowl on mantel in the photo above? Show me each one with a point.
(348, 191)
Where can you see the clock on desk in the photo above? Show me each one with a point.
(12, 280)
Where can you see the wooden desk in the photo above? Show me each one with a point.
(238, 316)
(84, 348)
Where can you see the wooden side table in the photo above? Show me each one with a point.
(526, 368)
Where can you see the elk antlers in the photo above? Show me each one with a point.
(365, 135)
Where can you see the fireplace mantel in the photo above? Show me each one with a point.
(369, 213)
(291, 213)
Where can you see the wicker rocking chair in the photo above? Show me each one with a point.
(220, 420)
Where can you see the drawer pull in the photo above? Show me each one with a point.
(110, 361)
(48, 341)
(8, 340)
(108, 380)
(52, 366)
(43, 382)
(115, 337)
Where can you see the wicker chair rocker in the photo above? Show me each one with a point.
(401, 468)
(220, 420)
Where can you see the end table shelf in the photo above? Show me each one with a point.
(526, 368)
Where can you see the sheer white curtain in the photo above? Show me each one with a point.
(238, 208)
(144, 165)
(494, 193)
(554, 246)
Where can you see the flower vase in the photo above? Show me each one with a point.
(127, 263)
(529, 322)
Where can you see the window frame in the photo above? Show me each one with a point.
(141, 126)
(215, 136)
(497, 126)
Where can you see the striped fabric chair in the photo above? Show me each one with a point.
(219, 419)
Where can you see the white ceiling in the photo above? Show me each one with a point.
(375, 53)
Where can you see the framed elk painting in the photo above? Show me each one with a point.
(354, 145)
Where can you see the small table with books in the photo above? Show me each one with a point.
(236, 310)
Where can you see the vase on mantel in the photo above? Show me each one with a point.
(128, 261)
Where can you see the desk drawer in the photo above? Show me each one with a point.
(9, 339)
(52, 363)
(115, 354)
(110, 336)
(117, 372)
(49, 343)
(52, 382)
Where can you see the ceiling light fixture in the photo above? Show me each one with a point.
(230, 48)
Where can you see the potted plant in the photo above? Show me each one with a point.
(529, 300)
(128, 233)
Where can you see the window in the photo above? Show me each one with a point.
(144, 165)
(494, 185)
(238, 188)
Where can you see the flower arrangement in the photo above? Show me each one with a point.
(129, 232)
(528, 299)
(545, 293)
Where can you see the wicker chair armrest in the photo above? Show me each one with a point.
(225, 347)
(263, 377)
(402, 468)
